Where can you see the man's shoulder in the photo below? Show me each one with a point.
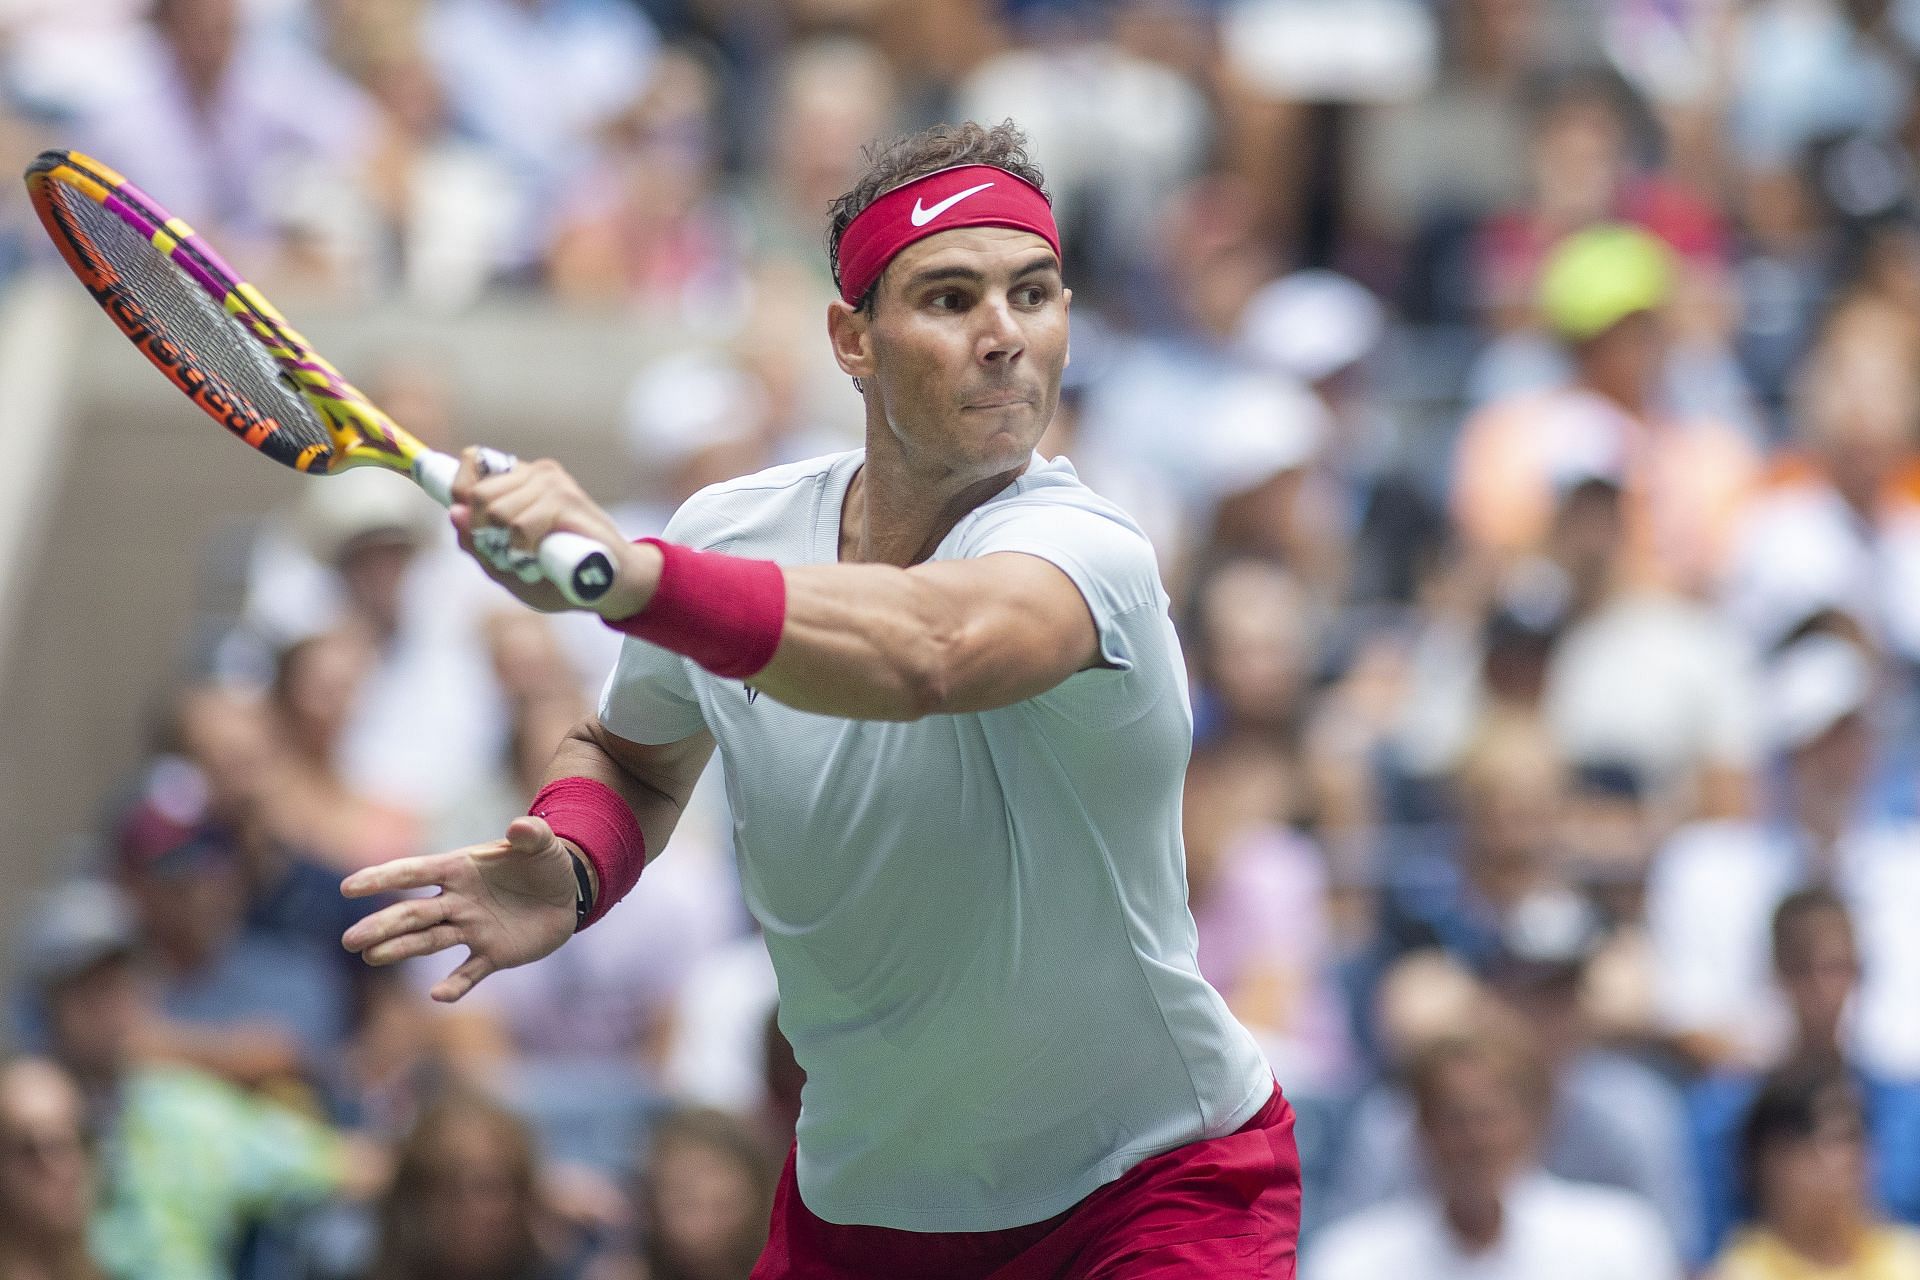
(1566, 1207)
(1048, 488)
(723, 512)
(1714, 848)
(1382, 1239)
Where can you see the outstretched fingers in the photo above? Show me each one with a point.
(402, 918)
(425, 872)
(422, 942)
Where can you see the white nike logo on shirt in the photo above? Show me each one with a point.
(921, 217)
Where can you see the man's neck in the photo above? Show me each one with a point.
(1832, 1240)
(1476, 1222)
(896, 515)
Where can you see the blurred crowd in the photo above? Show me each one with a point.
(1522, 396)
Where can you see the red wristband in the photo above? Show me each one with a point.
(725, 612)
(594, 817)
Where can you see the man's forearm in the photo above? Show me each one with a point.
(655, 784)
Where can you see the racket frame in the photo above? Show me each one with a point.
(360, 433)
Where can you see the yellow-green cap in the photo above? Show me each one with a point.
(1594, 279)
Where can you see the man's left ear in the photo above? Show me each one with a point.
(1066, 301)
(847, 332)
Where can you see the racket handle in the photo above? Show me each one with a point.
(580, 567)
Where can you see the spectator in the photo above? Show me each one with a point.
(1368, 525)
(1254, 649)
(1788, 263)
(1258, 893)
(832, 96)
(254, 1009)
(291, 896)
(1611, 1121)
(706, 1199)
(544, 693)
(534, 80)
(228, 125)
(1805, 1156)
(1838, 526)
(464, 1203)
(314, 693)
(1583, 174)
(1810, 71)
(1646, 678)
(1482, 1098)
(1511, 789)
(365, 551)
(188, 1162)
(1683, 480)
(47, 1180)
(439, 212)
(1817, 965)
(719, 1028)
(1715, 885)
(649, 228)
(1413, 189)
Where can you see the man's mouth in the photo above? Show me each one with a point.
(998, 400)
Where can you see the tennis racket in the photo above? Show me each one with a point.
(225, 346)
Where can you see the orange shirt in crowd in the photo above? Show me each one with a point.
(1683, 482)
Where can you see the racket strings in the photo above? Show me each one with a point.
(218, 345)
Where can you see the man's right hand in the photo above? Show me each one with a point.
(522, 506)
(509, 902)
(538, 594)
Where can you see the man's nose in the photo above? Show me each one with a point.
(1001, 339)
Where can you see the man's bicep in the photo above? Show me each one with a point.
(1024, 627)
(1125, 652)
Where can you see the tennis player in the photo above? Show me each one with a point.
(953, 715)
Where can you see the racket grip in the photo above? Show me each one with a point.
(580, 567)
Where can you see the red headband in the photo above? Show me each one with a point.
(968, 195)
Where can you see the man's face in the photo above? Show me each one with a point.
(1478, 1132)
(46, 1179)
(964, 347)
(92, 1018)
(203, 34)
(1819, 967)
(1834, 768)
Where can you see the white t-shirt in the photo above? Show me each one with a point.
(1552, 1228)
(979, 922)
(1710, 903)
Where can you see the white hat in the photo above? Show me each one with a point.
(342, 508)
(689, 401)
(1253, 427)
(73, 927)
(1813, 685)
(1311, 324)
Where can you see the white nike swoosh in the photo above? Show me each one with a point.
(921, 217)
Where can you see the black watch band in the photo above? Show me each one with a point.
(582, 891)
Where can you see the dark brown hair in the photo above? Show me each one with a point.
(1796, 910)
(944, 146)
(1494, 1041)
(735, 1142)
(407, 1251)
(1795, 1102)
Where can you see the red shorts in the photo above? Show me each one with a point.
(1224, 1209)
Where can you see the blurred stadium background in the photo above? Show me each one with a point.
(1522, 395)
